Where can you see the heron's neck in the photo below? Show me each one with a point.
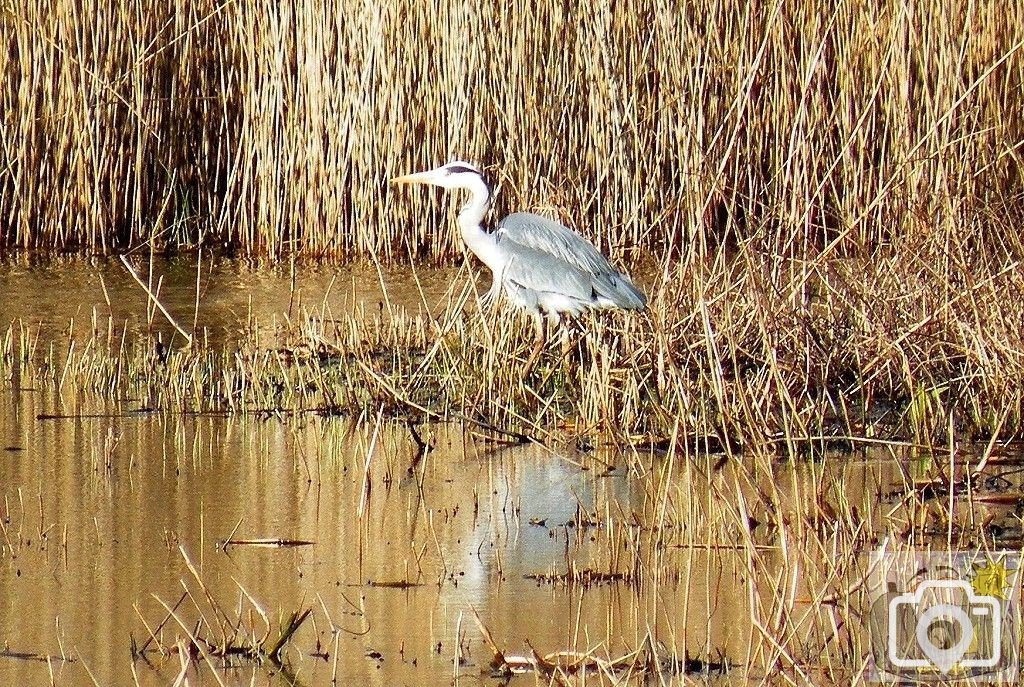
(471, 219)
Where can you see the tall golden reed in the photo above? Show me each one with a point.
(273, 127)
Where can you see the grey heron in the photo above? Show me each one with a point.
(542, 266)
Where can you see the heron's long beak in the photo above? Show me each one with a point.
(417, 178)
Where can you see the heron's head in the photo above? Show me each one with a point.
(456, 174)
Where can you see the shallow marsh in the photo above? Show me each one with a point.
(115, 511)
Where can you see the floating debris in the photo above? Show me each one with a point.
(6, 652)
(267, 542)
(586, 576)
(395, 584)
(651, 659)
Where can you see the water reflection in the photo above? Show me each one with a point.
(95, 503)
(95, 509)
(48, 295)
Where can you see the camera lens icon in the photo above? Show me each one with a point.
(940, 623)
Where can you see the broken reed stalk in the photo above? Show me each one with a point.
(156, 301)
(194, 641)
(295, 621)
(152, 632)
(237, 637)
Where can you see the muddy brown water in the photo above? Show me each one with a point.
(98, 507)
(49, 295)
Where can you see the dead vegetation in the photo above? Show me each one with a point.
(803, 129)
(822, 203)
(199, 628)
(650, 568)
(651, 661)
(742, 350)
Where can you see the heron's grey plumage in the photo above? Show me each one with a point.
(533, 278)
(540, 265)
(573, 255)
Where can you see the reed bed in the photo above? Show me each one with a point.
(803, 130)
(733, 352)
(822, 202)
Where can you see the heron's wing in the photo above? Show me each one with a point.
(548, 236)
(544, 273)
(553, 239)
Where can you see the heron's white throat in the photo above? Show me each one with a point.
(470, 221)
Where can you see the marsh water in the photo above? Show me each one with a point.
(111, 519)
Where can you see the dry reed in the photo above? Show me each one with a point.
(834, 189)
(803, 130)
(731, 353)
(776, 548)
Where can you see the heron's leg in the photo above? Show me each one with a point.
(564, 326)
(538, 342)
(565, 336)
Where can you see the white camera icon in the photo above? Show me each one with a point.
(951, 604)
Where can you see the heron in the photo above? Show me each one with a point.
(542, 266)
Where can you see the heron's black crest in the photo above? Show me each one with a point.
(459, 169)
